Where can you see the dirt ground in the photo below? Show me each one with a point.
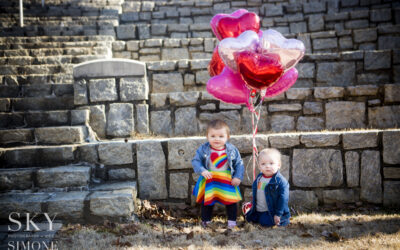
(163, 227)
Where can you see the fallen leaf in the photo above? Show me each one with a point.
(331, 236)
(335, 236)
(326, 233)
(189, 236)
(227, 232)
(222, 242)
(306, 235)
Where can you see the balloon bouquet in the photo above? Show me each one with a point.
(249, 65)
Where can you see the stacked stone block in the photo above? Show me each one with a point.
(299, 109)
(322, 168)
(47, 60)
(164, 49)
(337, 25)
(116, 94)
(103, 187)
(62, 18)
(190, 19)
(315, 70)
(196, 48)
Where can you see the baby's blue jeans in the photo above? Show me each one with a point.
(265, 219)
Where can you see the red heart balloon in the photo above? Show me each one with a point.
(216, 64)
(259, 71)
(229, 26)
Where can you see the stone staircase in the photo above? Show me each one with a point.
(70, 193)
(41, 60)
(61, 18)
(51, 160)
(37, 93)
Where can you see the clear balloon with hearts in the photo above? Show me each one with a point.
(260, 59)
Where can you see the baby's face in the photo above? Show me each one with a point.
(217, 138)
(268, 164)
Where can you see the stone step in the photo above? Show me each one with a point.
(58, 60)
(44, 135)
(36, 69)
(43, 103)
(154, 49)
(98, 50)
(100, 28)
(354, 33)
(172, 22)
(68, 44)
(341, 164)
(34, 90)
(40, 118)
(59, 19)
(74, 9)
(319, 69)
(73, 177)
(115, 203)
(302, 109)
(58, 78)
(71, 2)
(61, 25)
(46, 39)
(33, 156)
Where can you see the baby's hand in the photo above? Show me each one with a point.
(277, 220)
(206, 174)
(235, 182)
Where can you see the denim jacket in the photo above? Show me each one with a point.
(276, 195)
(201, 160)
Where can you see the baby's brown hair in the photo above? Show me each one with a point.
(218, 124)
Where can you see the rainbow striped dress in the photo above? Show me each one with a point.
(218, 188)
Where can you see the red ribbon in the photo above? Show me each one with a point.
(255, 115)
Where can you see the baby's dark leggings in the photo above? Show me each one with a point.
(206, 212)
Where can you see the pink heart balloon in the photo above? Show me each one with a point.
(234, 26)
(289, 50)
(214, 21)
(229, 47)
(228, 87)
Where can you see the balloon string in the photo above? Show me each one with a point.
(255, 118)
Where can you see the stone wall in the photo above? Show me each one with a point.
(322, 168)
(156, 49)
(315, 70)
(115, 92)
(299, 109)
(183, 19)
(353, 23)
(120, 105)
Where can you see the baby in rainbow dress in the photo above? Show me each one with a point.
(221, 169)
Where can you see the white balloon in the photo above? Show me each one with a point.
(227, 48)
(289, 50)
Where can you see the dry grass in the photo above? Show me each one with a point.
(368, 229)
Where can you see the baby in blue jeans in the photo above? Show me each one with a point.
(270, 192)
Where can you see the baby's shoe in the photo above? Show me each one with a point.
(231, 224)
